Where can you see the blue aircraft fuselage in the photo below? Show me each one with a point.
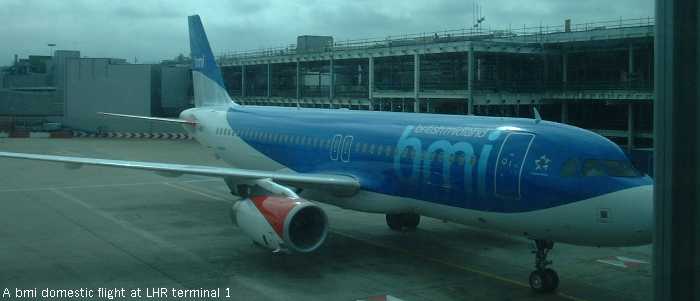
(481, 163)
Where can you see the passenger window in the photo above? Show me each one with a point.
(593, 168)
(389, 151)
(569, 168)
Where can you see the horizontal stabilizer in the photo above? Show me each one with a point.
(171, 120)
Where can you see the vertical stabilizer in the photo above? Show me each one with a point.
(209, 89)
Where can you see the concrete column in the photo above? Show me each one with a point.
(242, 80)
(471, 72)
(331, 89)
(676, 262)
(630, 126)
(370, 78)
(564, 112)
(298, 80)
(416, 83)
(630, 65)
(545, 70)
(564, 68)
(269, 80)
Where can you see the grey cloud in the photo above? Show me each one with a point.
(155, 30)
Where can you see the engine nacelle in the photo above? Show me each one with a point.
(281, 223)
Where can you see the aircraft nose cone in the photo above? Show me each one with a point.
(643, 197)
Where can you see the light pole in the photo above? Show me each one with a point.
(51, 46)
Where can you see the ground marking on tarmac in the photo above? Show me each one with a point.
(381, 298)
(464, 268)
(129, 227)
(196, 192)
(622, 262)
(443, 262)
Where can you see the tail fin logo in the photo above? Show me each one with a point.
(199, 63)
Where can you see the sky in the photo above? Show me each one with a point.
(152, 30)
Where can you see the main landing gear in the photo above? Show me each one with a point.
(402, 221)
(543, 279)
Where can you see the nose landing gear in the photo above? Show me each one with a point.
(543, 279)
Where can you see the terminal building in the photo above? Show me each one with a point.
(67, 90)
(597, 76)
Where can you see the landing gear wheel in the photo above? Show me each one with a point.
(552, 274)
(394, 222)
(537, 281)
(411, 220)
(402, 221)
(543, 279)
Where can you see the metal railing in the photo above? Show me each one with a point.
(529, 34)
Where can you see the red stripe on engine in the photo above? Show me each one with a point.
(275, 210)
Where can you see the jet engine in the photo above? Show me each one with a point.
(281, 223)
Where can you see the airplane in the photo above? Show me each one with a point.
(545, 181)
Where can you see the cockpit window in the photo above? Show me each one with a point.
(569, 168)
(593, 168)
(613, 168)
(620, 169)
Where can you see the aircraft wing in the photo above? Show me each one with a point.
(340, 184)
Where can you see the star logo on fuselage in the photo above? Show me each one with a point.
(542, 163)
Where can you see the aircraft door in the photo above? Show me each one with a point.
(509, 164)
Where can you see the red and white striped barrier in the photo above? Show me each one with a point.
(80, 134)
(173, 136)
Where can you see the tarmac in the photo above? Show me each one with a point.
(110, 228)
